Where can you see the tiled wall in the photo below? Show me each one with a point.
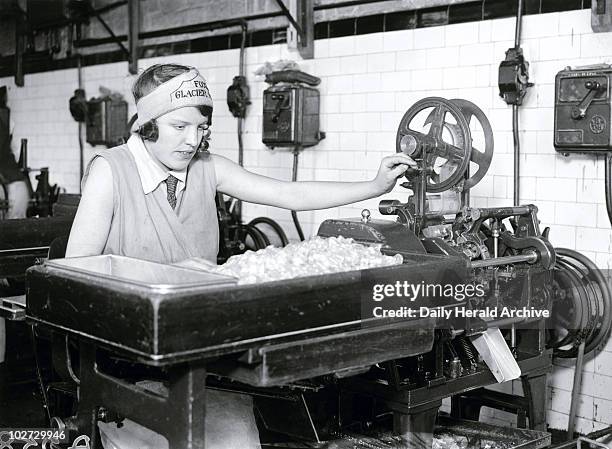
(368, 82)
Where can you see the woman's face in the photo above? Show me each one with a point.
(180, 134)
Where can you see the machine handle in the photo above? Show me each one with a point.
(277, 109)
(579, 112)
(529, 256)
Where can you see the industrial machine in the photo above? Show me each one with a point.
(236, 237)
(322, 366)
(23, 243)
(505, 252)
(27, 241)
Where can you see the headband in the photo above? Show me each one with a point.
(186, 89)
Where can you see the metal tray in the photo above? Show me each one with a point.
(478, 434)
(464, 435)
(138, 272)
(164, 319)
(13, 308)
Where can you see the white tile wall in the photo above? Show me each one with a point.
(368, 82)
(397, 41)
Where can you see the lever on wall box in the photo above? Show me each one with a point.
(582, 114)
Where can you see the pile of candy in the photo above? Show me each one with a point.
(315, 256)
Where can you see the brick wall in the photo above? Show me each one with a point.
(369, 81)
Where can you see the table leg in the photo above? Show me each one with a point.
(417, 427)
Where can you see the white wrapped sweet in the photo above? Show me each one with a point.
(315, 256)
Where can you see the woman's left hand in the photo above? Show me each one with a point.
(391, 168)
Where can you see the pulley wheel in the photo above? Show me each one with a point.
(482, 159)
(582, 308)
(445, 162)
(271, 230)
(252, 237)
(3, 200)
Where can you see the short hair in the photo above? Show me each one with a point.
(154, 76)
(148, 81)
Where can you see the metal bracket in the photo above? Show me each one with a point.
(133, 31)
(303, 24)
(13, 308)
(109, 30)
(590, 443)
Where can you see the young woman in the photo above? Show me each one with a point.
(154, 198)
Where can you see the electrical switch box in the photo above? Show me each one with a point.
(290, 116)
(106, 121)
(583, 110)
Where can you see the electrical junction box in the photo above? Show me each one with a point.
(290, 116)
(106, 121)
(582, 110)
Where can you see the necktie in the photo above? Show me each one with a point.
(171, 183)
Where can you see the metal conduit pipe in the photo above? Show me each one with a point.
(296, 222)
(517, 155)
(608, 184)
(515, 120)
(241, 72)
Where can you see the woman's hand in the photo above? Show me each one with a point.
(391, 168)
